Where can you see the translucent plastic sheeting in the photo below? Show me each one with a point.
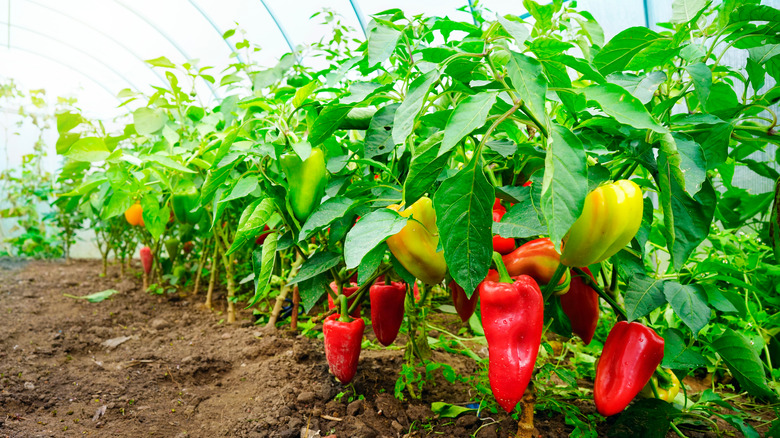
(94, 48)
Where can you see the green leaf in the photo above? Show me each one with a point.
(622, 48)
(371, 230)
(463, 206)
(303, 93)
(677, 355)
(252, 221)
(624, 107)
(517, 29)
(744, 363)
(643, 87)
(370, 263)
(328, 122)
(520, 222)
(95, 297)
(89, 149)
(246, 185)
(689, 303)
(214, 179)
(687, 219)
(684, 161)
(324, 215)
(161, 62)
(381, 43)
(643, 295)
(565, 183)
(316, 265)
(263, 261)
(531, 85)
(701, 75)
(469, 115)
(148, 121)
(312, 290)
(755, 13)
(424, 168)
(446, 410)
(379, 136)
(406, 114)
(155, 218)
(67, 121)
(684, 11)
(647, 418)
(164, 161)
(118, 204)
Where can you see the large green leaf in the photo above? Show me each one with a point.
(328, 122)
(565, 183)
(517, 29)
(684, 161)
(148, 121)
(406, 114)
(531, 85)
(155, 218)
(701, 75)
(463, 206)
(316, 264)
(684, 11)
(643, 295)
(744, 363)
(643, 87)
(89, 149)
(251, 223)
(677, 354)
(379, 136)
(469, 115)
(622, 48)
(689, 303)
(425, 167)
(624, 107)
(371, 230)
(381, 43)
(520, 221)
(263, 261)
(324, 215)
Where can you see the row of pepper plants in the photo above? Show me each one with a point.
(533, 171)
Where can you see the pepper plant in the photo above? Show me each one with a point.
(609, 165)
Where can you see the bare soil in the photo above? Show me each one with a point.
(143, 365)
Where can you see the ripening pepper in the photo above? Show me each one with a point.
(306, 181)
(387, 309)
(134, 215)
(513, 320)
(630, 356)
(262, 236)
(538, 259)
(343, 339)
(667, 385)
(348, 291)
(502, 245)
(581, 305)
(146, 259)
(185, 203)
(415, 245)
(610, 219)
(172, 246)
(463, 305)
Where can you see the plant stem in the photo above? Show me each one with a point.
(550, 287)
(589, 281)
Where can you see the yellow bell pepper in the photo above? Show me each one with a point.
(415, 245)
(610, 219)
(667, 390)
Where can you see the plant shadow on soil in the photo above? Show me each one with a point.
(145, 365)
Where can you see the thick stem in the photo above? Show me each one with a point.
(212, 277)
(283, 292)
(344, 306)
(560, 271)
(201, 262)
(503, 274)
(296, 304)
(525, 427)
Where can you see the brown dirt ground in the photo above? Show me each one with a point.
(180, 373)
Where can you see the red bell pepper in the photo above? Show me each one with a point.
(513, 320)
(343, 339)
(630, 356)
(387, 309)
(146, 259)
(348, 292)
(581, 305)
(538, 259)
(502, 245)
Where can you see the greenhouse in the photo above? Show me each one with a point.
(389, 219)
